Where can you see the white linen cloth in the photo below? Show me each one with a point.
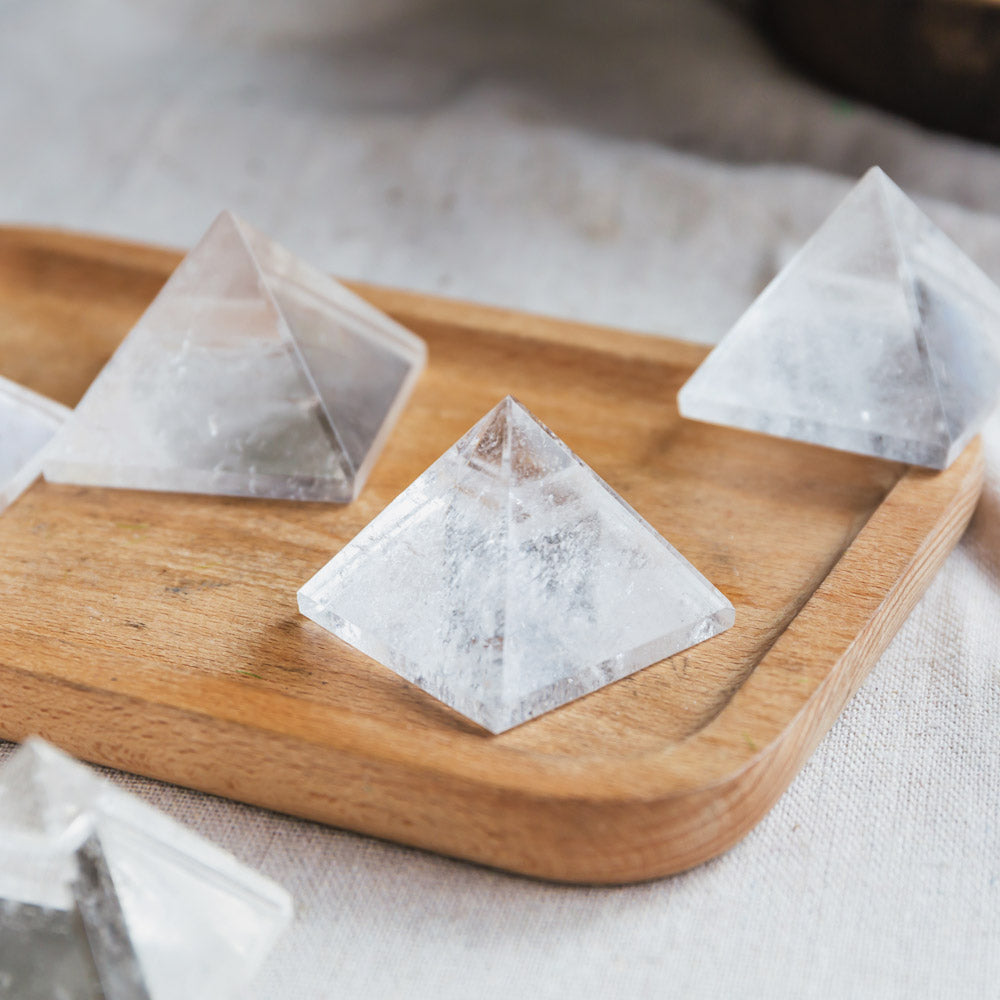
(641, 164)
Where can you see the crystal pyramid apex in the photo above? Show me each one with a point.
(231, 217)
(895, 196)
(908, 224)
(487, 444)
(220, 263)
(875, 176)
(228, 219)
(512, 444)
(876, 179)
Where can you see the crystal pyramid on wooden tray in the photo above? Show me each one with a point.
(509, 579)
(120, 902)
(250, 374)
(27, 424)
(880, 336)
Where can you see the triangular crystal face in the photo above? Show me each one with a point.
(28, 423)
(509, 579)
(250, 374)
(880, 336)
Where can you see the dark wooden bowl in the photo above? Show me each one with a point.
(936, 61)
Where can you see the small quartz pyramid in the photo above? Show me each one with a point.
(509, 579)
(28, 423)
(250, 374)
(880, 336)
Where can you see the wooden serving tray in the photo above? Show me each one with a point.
(159, 634)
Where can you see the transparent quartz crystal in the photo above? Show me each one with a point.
(250, 374)
(880, 336)
(27, 424)
(509, 579)
(133, 905)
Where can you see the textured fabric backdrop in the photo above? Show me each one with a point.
(648, 165)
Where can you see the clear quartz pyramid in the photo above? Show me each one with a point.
(880, 336)
(27, 424)
(133, 906)
(250, 374)
(509, 579)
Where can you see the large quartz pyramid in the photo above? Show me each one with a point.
(251, 374)
(104, 898)
(509, 579)
(880, 336)
(27, 424)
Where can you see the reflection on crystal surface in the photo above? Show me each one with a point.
(164, 911)
(250, 374)
(880, 336)
(27, 423)
(509, 579)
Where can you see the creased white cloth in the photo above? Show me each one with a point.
(642, 164)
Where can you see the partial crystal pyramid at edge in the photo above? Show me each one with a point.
(124, 894)
(250, 374)
(28, 423)
(880, 336)
(509, 579)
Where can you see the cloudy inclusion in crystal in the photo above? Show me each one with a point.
(27, 424)
(509, 579)
(880, 336)
(250, 374)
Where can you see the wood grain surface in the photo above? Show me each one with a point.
(159, 634)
